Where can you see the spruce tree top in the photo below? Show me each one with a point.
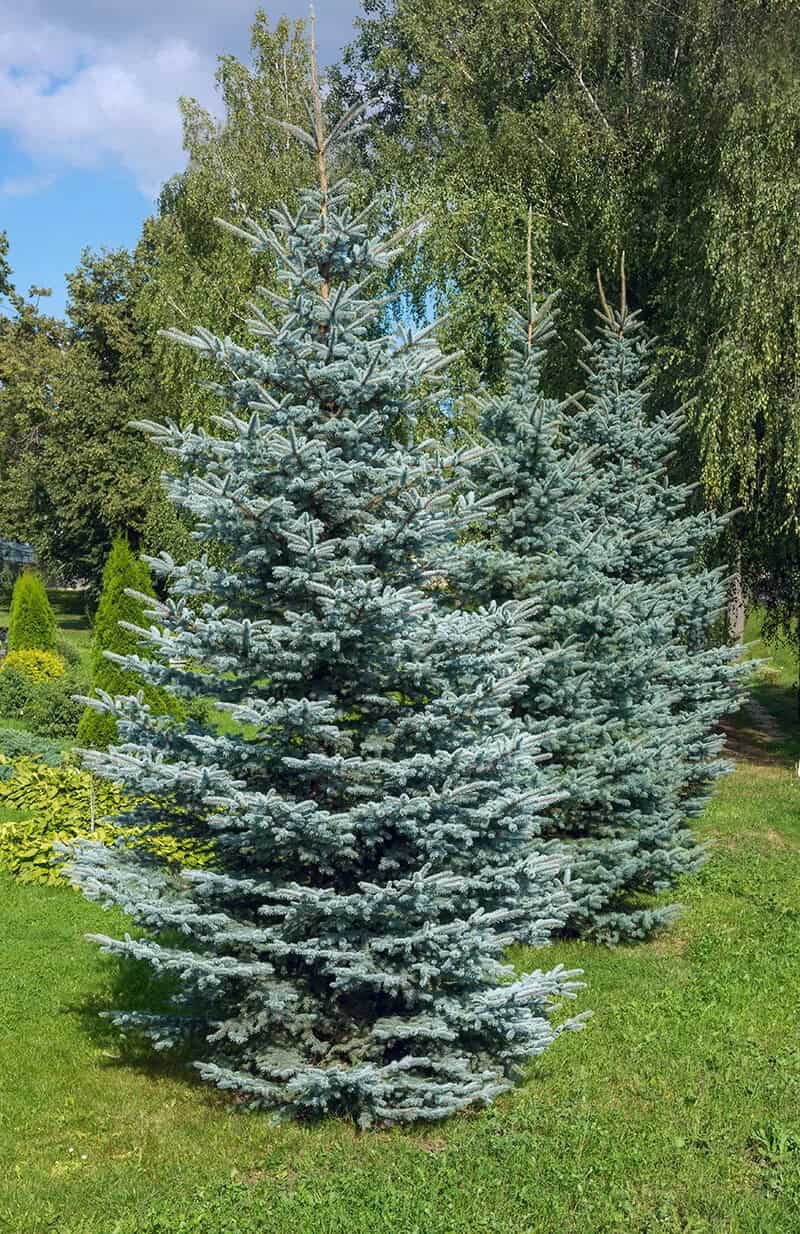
(633, 494)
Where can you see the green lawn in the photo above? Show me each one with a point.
(677, 1111)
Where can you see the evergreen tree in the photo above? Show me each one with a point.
(375, 811)
(117, 612)
(32, 623)
(630, 689)
(656, 545)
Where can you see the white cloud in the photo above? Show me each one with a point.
(117, 110)
(94, 83)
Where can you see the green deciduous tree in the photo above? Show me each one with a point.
(667, 131)
(237, 167)
(72, 474)
(491, 111)
(741, 326)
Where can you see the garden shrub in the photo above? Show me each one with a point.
(31, 622)
(69, 653)
(51, 710)
(123, 572)
(16, 743)
(36, 664)
(58, 803)
(16, 689)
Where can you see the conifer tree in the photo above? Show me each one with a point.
(631, 687)
(656, 541)
(32, 623)
(113, 639)
(375, 811)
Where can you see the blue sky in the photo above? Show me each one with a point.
(89, 125)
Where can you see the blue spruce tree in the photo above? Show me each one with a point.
(631, 684)
(375, 812)
(655, 548)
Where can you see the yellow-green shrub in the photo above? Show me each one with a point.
(58, 804)
(36, 664)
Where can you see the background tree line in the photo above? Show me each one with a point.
(669, 129)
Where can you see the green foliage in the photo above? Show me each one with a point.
(16, 743)
(32, 624)
(666, 131)
(35, 688)
(52, 710)
(6, 287)
(58, 803)
(61, 804)
(747, 413)
(16, 689)
(72, 472)
(69, 653)
(238, 167)
(123, 572)
(38, 665)
(484, 117)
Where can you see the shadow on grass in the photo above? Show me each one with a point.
(766, 730)
(73, 623)
(134, 987)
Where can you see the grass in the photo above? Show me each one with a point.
(675, 1112)
(781, 656)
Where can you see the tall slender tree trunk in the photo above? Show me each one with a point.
(736, 609)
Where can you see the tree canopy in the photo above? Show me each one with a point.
(666, 131)
(238, 167)
(72, 474)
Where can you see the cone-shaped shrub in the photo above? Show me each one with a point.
(123, 572)
(375, 810)
(32, 623)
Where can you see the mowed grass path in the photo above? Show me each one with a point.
(677, 1111)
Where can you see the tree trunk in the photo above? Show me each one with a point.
(736, 613)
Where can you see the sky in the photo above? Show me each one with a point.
(89, 124)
